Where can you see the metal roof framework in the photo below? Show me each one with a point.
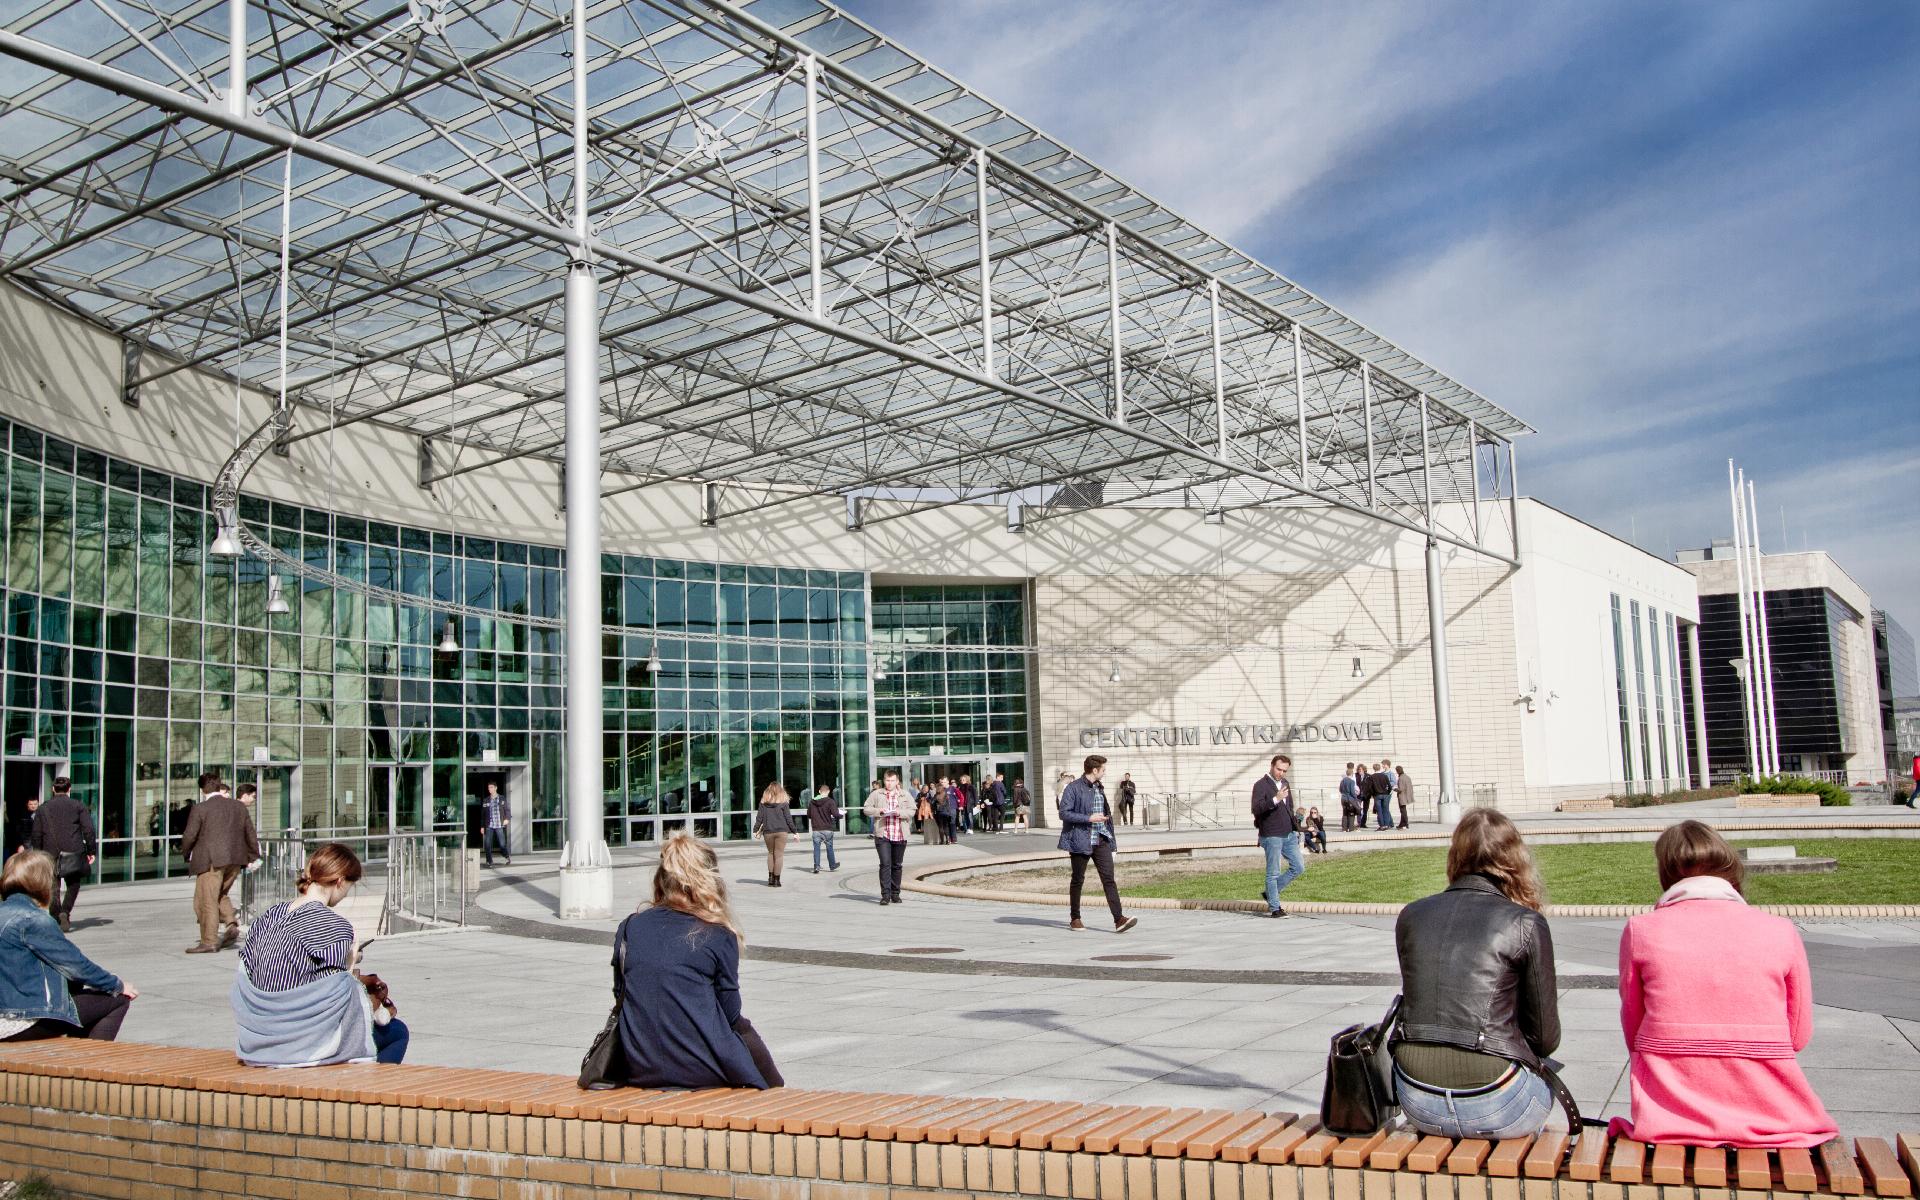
(824, 267)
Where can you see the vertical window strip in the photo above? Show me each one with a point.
(1620, 690)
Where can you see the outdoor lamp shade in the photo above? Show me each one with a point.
(1357, 672)
(653, 657)
(449, 639)
(1113, 676)
(225, 542)
(879, 672)
(276, 598)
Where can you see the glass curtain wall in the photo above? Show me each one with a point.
(139, 661)
(947, 684)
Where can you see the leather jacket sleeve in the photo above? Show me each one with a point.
(1539, 991)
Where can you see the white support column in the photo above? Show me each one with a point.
(1113, 320)
(237, 57)
(1699, 703)
(586, 867)
(1770, 730)
(1748, 654)
(812, 66)
(1219, 378)
(986, 262)
(1366, 409)
(1473, 473)
(1442, 698)
(1426, 462)
(1513, 498)
(1300, 405)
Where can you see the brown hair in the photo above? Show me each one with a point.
(29, 872)
(1093, 763)
(1690, 849)
(331, 864)
(1279, 758)
(1487, 843)
(688, 880)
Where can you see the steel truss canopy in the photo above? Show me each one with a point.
(825, 267)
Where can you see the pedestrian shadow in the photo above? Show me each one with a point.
(1165, 1068)
(91, 923)
(1042, 922)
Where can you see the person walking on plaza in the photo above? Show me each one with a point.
(1022, 804)
(1711, 1038)
(499, 818)
(218, 843)
(1383, 795)
(1349, 798)
(48, 989)
(63, 828)
(823, 817)
(1279, 830)
(1402, 793)
(774, 823)
(1086, 834)
(888, 809)
(678, 962)
(297, 1001)
(1127, 790)
(1480, 1002)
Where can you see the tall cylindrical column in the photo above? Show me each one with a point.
(1442, 698)
(1748, 652)
(1699, 705)
(1770, 721)
(237, 57)
(586, 868)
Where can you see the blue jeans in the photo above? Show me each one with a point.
(824, 837)
(1383, 810)
(1277, 881)
(495, 839)
(390, 1041)
(1516, 1108)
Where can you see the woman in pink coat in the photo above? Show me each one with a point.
(1715, 1002)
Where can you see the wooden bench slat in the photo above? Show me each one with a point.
(939, 1123)
(1796, 1169)
(1589, 1156)
(853, 1120)
(1909, 1147)
(739, 1114)
(1007, 1133)
(1881, 1167)
(1136, 1140)
(1315, 1151)
(1752, 1169)
(1353, 1151)
(1070, 1136)
(1843, 1176)
(1240, 1147)
(1543, 1161)
(799, 1120)
(1277, 1150)
(974, 1129)
(1172, 1143)
(1709, 1167)
(1629, 1159)
(1388, 1155)
(1507, 1156)
(1467, 1155)
(1044, 1134)
(1428, 1156)
(1101, 1138)
(1669, 1165)
(773, 1118)
(1206, 1144)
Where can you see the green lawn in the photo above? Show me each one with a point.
(1871, 871)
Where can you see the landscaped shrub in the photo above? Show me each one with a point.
(1832, 795)
(1678, 796)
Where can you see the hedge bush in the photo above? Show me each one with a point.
(1832, 795)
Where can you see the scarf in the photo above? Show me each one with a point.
(327, 1021)
(1700, 887)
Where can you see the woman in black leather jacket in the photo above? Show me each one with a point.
(1479, 1008)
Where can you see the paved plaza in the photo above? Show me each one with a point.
(968, 997)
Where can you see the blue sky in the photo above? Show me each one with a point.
(1664, 235)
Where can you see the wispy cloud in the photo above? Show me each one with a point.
(1664, 235)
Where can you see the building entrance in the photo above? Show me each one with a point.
(278, 808)
(26, 779)
(512, 781)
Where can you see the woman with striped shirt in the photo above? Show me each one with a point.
(298, 1001)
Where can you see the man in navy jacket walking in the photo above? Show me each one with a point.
(1086, 834)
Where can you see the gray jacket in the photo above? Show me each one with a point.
(773, 818)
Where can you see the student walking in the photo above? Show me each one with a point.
(1022, 804)
(499, 817)
(1279, 830)
(823, 817)
(1403, 793)
(1382, 796)
(39, 966)
(63, 828)
(774, 823)
(887, 810)
(1349, 798)
(1086, 834)
(1127, 791)
(218, 843)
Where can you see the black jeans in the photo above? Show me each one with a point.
(100, 1017)
(1102, 857)
(893, 857)
(66, 889)
(757, 1047)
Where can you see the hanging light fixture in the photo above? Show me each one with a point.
(879, 670)
(276, 599)
(1113, 676)
(1357, 672)
(449, 639)
(226, 542)
(653, 657)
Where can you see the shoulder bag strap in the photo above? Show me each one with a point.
(620, 961)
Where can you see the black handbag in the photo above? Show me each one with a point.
(1359, 1098)
(68, 863)
(605, 1065)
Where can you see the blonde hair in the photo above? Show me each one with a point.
(773, 793)
(1690, 849)
(1487, 843)
(29, 872)
(688, 880)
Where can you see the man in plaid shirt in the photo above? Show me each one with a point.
(889, 808)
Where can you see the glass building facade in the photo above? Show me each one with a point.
(134, 660)
(955, 678)
(1652, 734)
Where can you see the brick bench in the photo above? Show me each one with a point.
(129, 1120)
(1590, 804)
(1783, 800)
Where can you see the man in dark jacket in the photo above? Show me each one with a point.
(1402, 793)
(63, 827)
(1279, 830)
(20, 828)
(219, 842)
(1349, 798)
(823, 817)
(1383, 794)
(1086, 834)
(499, 817)
(1128, 790)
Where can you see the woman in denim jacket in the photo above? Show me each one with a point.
(40, 969)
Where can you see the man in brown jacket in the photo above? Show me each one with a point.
(219, 842)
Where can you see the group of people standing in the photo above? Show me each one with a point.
(1372, 791)
(948, 806)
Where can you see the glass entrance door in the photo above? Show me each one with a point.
(397, 799)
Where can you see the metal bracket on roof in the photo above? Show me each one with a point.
(424, 464)
(709, 504)
(130, 373)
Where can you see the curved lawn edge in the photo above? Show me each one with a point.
(920, 879)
